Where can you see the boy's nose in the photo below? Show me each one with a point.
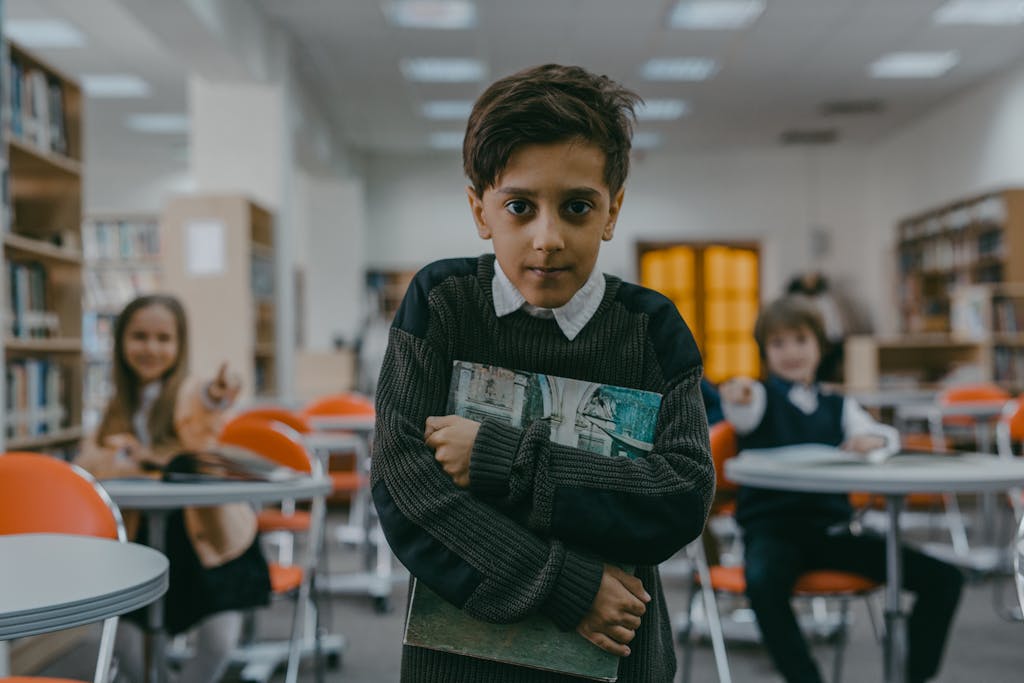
(548, 235)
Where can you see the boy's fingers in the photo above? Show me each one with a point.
(606, 643)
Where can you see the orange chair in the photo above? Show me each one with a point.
(283, 444)
(355, 482)
(982, 392)
(1010, 430)
(41, 494)
(730, 579)
(280, 524)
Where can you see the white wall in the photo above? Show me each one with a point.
(417, 210)
(133, 186)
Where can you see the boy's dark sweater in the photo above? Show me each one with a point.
(532, 531)
(784, 424)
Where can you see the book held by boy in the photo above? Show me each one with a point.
(603, 419)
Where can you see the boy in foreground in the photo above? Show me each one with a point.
(499, 520)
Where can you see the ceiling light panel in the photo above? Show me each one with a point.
(914, 65)
(715, 15)
(447, 110)
(980, 13)
(114, 86)
(443, 70)
(158, 123)
(43, 33)
(431, 14)
(661, 110)
(679, 69)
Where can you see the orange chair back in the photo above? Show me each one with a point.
(724, 445)
(273, 440)
(348, 403)
(278, 414)
(1015, 421)
(966, 393)
(41, 494)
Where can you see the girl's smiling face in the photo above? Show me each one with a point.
(151, 343)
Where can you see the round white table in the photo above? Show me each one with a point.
(57, 581)
(156, 500)
(898, 476)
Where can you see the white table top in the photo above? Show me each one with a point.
(883, 398)
(342, 422)
(911, 473)
(50, 582)
(924, 411)
(150, 494)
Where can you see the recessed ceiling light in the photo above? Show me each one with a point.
(447, 140)
(158, 123)
(646, 140)
(114, 85)
(443, 70)
(447, 109)
(43, 33)
(679, 69)
(436, 14)
(715, 14)
(914, 64)
(980, 13)
(661, 110)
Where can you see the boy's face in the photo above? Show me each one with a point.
(793, 354)
(547, 214)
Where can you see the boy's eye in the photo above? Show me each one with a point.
(517, 207)
(578, 207)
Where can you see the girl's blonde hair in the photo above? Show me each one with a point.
(117, 418)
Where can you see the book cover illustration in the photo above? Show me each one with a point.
(603, 419)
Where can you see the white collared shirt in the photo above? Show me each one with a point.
(571, 318)
(140, 420)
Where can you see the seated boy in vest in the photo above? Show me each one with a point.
(498, 520)
(788, 533)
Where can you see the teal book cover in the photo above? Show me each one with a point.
(603, 419)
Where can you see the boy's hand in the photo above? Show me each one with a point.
(863, 443)
(452, 438)
(738, 391)
(225, 386)
(615, 615)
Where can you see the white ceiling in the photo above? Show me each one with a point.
(774, 76)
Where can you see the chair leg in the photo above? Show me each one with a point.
(711, 611)
(106, 654)
(686, 632)
(844, 619)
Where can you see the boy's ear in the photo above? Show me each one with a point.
(613, 214)
(476, 206)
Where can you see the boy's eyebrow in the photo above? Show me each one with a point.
(524, 192)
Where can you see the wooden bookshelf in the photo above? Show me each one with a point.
(42, 288)
(218, 257)
(122, 261)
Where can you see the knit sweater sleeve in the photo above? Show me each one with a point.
(631, 511)
(463, 548)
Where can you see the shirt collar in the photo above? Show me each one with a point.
(803, 396)
(571, 318)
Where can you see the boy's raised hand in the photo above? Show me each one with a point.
(452, 439)
(738, 390)
(615, 614)
(225, 386)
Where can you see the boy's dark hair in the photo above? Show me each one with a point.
(789, 313)
(548, 104)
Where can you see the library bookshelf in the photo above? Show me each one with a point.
(121, 252)
(42, 287)
(217, 256)
(945, 256)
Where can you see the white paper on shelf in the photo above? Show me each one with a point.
(204, 247)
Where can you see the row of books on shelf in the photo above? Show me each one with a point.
(109, 290)
(34, 397)
(951, 253)
(1008, 366)
(97, 333)
(1008, 315)
(27, 316)
(262, 276)
(988, 211)
(34, 109)
(129, 240)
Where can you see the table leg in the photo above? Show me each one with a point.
(156, 638)
(895, 620)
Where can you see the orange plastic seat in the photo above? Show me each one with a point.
(285, 579)
(970, 393)
(826, 582)
(271, 519)
(347, 481)
(283, 415)
(348, 403)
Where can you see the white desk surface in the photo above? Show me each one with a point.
(150, 494)
(911, 473)
(329, 423)
(924, 411)
(885, 398)
(50, 582)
